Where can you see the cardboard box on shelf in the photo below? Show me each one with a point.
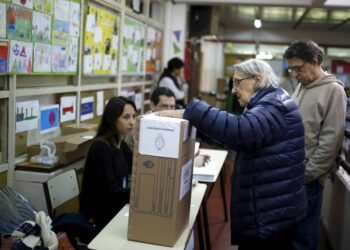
(161, 181)
(74, 128)
(69, 148)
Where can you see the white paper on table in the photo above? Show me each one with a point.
(90, 23)
(88, 64)
(99, 104)
(106, 62)
(97, 35)
(97, 61)
(160, 136)
(138, 101)
(68, 107)
(185, 185)
(27, 115)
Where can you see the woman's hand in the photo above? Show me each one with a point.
(177, 113)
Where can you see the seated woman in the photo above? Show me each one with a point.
(171, 79)
(105, 188)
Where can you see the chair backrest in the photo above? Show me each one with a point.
(61, 189)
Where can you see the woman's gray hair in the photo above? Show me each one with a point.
(253, 67)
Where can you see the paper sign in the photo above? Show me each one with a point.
(160, 136)
(87, 108)
(100, 102)
(4, 47)
(2, 20)
(68, 108)
(21, 57)
(27, 114)
(49, 118)
(42, 57)
(186, 174)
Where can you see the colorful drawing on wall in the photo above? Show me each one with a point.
(60, 33)
(20, 57)
(154, 50)
(19, 23)
(27, 115)
(44, 6)
(2, 20)
(73, 54)
(87, 108)
(101, 41)
(133, 51)
(68, 108)
(176, 39)
(24, 3)
(61, 10)
(74, 18)
(42, 57)
(59, 59)
(49, 118)
(41, 27)
(4, 47)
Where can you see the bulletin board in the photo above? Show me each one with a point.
(153, 50)
(133, 49)
(101, 39)
(39, 36)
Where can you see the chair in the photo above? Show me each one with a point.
(61, 189)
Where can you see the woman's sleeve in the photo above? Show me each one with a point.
(256, 127)
(168, 83)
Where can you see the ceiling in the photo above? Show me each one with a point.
(286, 18)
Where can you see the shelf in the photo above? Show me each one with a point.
(99, 86)
(45, 90)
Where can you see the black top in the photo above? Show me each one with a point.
(105, 188)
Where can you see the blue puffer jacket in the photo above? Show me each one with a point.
(268, 193)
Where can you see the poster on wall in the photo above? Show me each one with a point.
(19, 23)
(74, 19)
(21, 57)
(101, 41)
(24, 3)
(61, 10)
(27, 114)
(41, 27)
(59, 59)
(68, 108)
(73, 54)
(87, 108)
(2, 20)
(133, 51)
(153, 50)
(42, 57)
(44, 6)
(60, 33)
(4, 47)
(49, 118)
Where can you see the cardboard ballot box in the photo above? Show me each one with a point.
(161, 181)
(69, 148)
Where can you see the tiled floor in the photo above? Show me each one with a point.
(219, 229)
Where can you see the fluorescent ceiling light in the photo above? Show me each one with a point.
(257, 23)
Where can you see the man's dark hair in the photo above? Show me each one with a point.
(175, 63)
(305, 50)
(161, 91)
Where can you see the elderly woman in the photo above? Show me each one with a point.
(268, 197)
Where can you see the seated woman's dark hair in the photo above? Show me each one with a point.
(175, 63)
(113, 110)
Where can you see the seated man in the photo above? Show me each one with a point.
(162, 98)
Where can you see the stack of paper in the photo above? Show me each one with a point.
(206, 173)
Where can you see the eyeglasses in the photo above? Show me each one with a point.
(237, 82)
(296, 68)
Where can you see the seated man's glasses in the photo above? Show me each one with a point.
(296, 68)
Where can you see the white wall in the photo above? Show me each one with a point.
(212, 65)
(175, 23)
